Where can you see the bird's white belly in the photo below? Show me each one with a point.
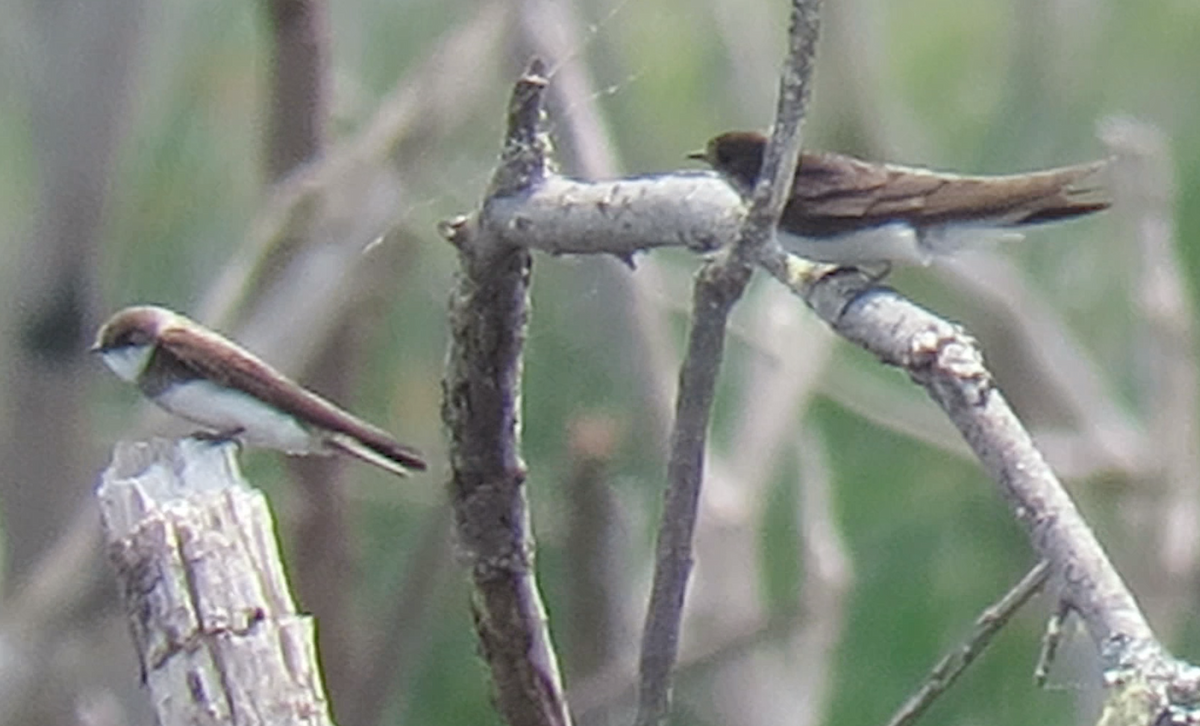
(896, 242)
(225, 410)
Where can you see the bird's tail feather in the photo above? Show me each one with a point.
(401, 463)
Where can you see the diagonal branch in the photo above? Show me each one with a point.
(943, 359)
(989, 623)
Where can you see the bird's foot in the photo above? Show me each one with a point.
(220, 438)
(875, 271)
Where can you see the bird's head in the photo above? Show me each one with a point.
(127, 339)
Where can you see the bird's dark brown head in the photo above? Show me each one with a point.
(134, 326)
(736, 154)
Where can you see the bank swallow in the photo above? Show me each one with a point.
(845, 211)
(209, 380)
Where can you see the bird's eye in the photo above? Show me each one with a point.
(131, 338)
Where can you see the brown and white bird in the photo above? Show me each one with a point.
(209, 380)
(845, 211)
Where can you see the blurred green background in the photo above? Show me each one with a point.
(134, 142)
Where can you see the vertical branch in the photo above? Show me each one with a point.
(322, 529)
(489, 311)
(718, 287)
(783, 148)
(713, 298)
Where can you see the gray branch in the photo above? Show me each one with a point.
(489, 309)
(696, 210)
(945, 360)
(193, 547)
(719, 285)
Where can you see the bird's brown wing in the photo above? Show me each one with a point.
(214, 357)
(834, 193)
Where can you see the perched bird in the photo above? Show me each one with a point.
(207, 379)
(845, 211)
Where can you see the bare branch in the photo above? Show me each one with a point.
(696, 210)
(783, 149)
(943, 359)
(809, 634)
(934, 353)
(489, 309)
(719, 286)
(987, 625)
(716, 292)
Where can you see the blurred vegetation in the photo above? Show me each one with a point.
(970, 85)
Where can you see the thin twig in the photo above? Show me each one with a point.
(811, 630)
(718, 287)
(955, 663)
(712, 302)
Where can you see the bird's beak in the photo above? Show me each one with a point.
(95, 348)
(698, 155)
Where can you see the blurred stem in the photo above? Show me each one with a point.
(390, 659)
(295, 134)
(321, 531)
(298, 100)
(78, 56)
(596, 585)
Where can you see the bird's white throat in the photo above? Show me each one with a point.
(128, 362)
